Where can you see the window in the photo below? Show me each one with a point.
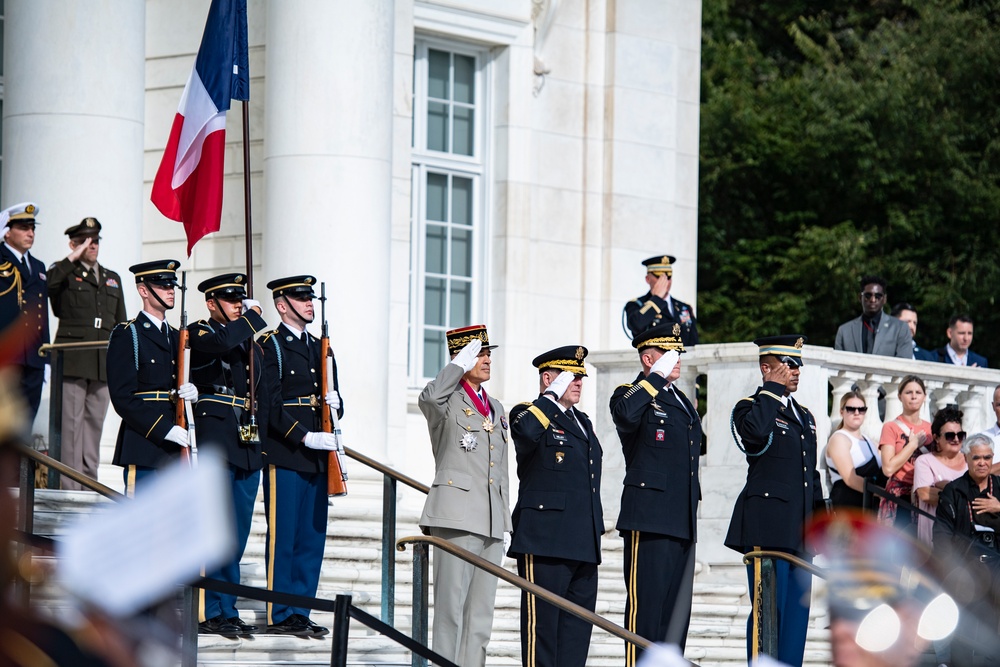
(447, 288)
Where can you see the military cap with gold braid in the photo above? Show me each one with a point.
(162, 272)
(566, 358)
(300, 287)
(24, 213)
(228, 285)
(660, 264)
(87, 227)
(459, 338)
(788, 348)
(666, 337)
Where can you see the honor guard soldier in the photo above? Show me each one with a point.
(220, 366)
(468, 501)
(296, 451)
(778, 437)
(87, 298)
(558, 519)
(656, 307)
(142, 376)
(660, 434)
(18, 229)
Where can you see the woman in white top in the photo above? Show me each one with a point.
(847, 451)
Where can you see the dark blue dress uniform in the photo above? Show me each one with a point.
(219, 361)
(781, 492)
(649, 311)
(558, 520)
(34, 302)
(295, 481)
(660, 434)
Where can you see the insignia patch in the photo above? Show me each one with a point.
(78, 279)
(468, 412)
(579, 354)
(202, 332)
(503, 422)
(685, 316)
(560, 457)
(677, 328)
(111, 282)
(660, 413)
(146, 325)
(289, 338)
(469, 442)
(799, 343)
(781, 422)
(41, 276)
(660, 435)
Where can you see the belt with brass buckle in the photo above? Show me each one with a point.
(234, 401)
(155, 395)
(310, 401)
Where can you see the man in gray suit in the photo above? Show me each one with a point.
(468, 503)
(874, 332)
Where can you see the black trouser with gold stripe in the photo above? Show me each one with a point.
(551, 637)
(659, 579)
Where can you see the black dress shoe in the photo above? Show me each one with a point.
(218, 626)
(317, 630)
(245, 628)
(293, 625)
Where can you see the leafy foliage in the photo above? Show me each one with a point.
(837, 144)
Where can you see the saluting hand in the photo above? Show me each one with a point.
(779, 373)
(467, 356)
(661, 287)
(76, 252)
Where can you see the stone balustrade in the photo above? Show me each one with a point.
(728, 372)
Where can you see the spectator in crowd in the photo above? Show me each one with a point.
(933, 471)
(959, 341)
(872, 332)
(656, 307)
(87, 298)
(850, 457)
(994, 431)
(901, 442)
(907, 314)
(30, 291)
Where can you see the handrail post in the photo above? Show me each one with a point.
(866, 497)
(189, 627)
(55, 414)
(420, 581)
(388, 549)
(766, 609)
(26, 523)
(341, 630)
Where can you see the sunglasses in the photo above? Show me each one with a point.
(952, 436)
(873, 296)
(856, 409)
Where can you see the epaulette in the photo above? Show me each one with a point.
(532, 409)
(626, 385)
(263, 339)
(746, 398)
(126, 325)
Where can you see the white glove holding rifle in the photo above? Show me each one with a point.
(468, 356)
(178, 436)
(187, 392)
(320, 440)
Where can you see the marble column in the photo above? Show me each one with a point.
(328, 183)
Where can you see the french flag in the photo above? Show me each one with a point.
(188, 183)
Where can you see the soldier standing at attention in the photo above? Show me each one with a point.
(87, 298)
(558, 520)
(656, 307)
(142, 375)
(220, 365)
(660, 434)
(468, 501)
(782, 489)
(27, 283)
(296, 452)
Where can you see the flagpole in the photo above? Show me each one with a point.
(249, 250)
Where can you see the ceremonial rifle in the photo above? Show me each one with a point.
(329, 423)
(183, 414)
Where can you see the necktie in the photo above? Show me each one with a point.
(25, 265)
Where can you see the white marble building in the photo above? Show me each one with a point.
(436, 162)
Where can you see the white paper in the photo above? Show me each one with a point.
(137, 551)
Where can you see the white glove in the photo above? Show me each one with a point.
(333, 399)
(561, 384)
(250, 303)
(665, 364)
(320, 440)
(47, 377)
(467, 356)
(178, 435)
(187, 392)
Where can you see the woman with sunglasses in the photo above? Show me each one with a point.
(850, 457)
(901, 440)
(932, 472)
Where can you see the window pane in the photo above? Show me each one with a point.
(461, 252)
(465, 79)
(461, 200)
(464, 126)
(433, 352)
(437, 126)
(437, 236)
(461, 303)
(437, 74)
(434, 301)
(437, 188)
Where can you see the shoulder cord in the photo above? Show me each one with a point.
(736, 438)
(277, 350)
(135, 345)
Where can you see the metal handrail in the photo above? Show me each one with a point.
(420, 541)
(386, 470)
(64, 469)
(87, 345)
(794, 560)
